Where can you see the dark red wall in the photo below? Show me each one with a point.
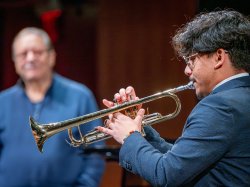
(109, 44)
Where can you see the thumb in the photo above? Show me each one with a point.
(139, 115)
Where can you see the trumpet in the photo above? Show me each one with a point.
(42, 132)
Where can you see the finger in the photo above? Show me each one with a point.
(110, 116)
(107, 103)
(140, 115)
(118, 115)
(104, 130)
(131, 92)
(113, 117)
(106, 123)
(138, 106)
(117, 98)
(123, 95)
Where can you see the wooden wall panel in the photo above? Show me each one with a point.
(134, 49)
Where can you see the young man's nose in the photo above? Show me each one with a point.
(187, 71)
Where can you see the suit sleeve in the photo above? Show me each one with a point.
(205, 139)
(153, 137)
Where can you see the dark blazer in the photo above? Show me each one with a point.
(213, 150)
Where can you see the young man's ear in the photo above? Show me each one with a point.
(220, 57)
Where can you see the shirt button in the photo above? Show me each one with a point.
(128, 166)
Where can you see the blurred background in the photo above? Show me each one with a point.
(109, 44)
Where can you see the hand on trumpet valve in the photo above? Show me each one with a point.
(120, 126)
(124, 95)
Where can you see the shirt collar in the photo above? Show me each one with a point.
(21, 85)
(231, 78)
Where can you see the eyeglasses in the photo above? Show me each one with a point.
(36, 52)
(189, 60)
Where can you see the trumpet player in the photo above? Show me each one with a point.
(213, 149)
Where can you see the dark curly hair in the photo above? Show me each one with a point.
(207, 32)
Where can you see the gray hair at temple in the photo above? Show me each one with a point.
(207, 32)
(36, 31)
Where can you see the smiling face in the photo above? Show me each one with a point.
(33, 60)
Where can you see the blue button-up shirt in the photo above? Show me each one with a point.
(60, 165)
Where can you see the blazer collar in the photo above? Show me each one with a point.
(235, 83)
